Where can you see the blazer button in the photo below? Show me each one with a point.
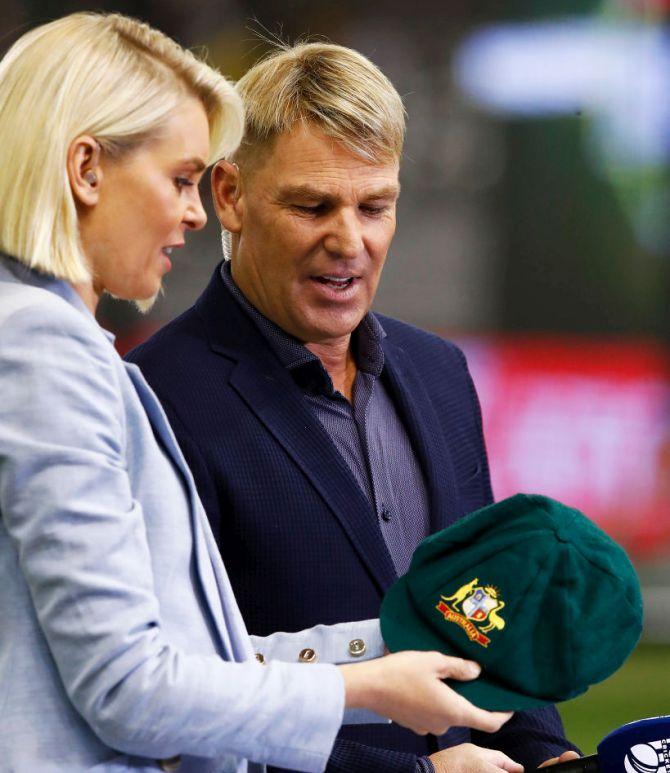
(170, 763)
(307, 656)
(357, 648)
(260, 657)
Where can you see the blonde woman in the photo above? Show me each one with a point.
(121, 646)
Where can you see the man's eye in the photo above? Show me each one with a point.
(372, 210)
(310, 209)
(182, 182)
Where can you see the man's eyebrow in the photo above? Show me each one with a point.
(306, 191)
(388, 192)
(302, 192)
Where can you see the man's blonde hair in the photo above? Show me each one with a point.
(105, 75)
(332, 87)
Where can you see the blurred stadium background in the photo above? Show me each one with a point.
(534, 228)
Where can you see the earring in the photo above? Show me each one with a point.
(91, 177)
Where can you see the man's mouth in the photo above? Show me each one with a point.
(336, 282)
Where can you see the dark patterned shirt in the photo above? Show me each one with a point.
(367, 432)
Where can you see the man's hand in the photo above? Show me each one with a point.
(468, 758)
(407, 687)
(563, 758)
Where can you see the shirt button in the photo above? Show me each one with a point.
(260, 658)
(307, 656)
(386, 514)
(357, 648)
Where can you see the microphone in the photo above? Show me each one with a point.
(638, 747)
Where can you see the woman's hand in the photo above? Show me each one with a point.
(407, 687)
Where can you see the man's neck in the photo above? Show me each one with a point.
(338, 360)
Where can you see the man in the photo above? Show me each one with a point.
(326, 441)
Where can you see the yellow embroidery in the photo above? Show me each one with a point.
(478, 613)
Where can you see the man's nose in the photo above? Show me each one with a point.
(345, 236)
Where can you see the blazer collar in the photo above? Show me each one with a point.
(13, 271)
(272, 396)
(214, 581)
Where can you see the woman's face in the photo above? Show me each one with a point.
(146, 202)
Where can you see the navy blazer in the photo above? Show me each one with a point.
(299, 539)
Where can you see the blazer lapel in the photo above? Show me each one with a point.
(269, 391)
(278, 404)
(420, 419)
(213, 581)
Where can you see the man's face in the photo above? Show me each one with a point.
(316, 222)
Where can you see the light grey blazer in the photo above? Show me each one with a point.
(120, 639)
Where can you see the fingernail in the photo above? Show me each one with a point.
(474, 669)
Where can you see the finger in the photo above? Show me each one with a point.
(463, 713)
(458, 668)
(569, 755)
(479, 719)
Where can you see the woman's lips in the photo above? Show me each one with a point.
(167, 263)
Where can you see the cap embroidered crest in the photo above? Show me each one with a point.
(475, 609)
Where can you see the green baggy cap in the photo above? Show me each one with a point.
(529, 588)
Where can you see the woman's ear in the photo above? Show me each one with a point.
(227, 195)
(84, 171)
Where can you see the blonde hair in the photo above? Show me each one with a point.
(332, 87)
(106, 75)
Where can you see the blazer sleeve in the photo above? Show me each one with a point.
(330, 644)
(353, 757)
(67, 504)
(529, 738)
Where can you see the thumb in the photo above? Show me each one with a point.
(503, 762)
(510, 766)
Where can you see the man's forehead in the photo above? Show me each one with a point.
(306, 158)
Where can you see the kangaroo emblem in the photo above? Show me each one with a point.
(476, 609)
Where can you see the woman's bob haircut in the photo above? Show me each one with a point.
(105, 75)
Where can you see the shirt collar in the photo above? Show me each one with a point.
(292, 354)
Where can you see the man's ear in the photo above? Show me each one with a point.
(84, 171)
(226, 194)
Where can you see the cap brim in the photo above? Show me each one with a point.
(403, 629)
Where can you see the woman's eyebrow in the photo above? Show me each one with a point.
(196, 162)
